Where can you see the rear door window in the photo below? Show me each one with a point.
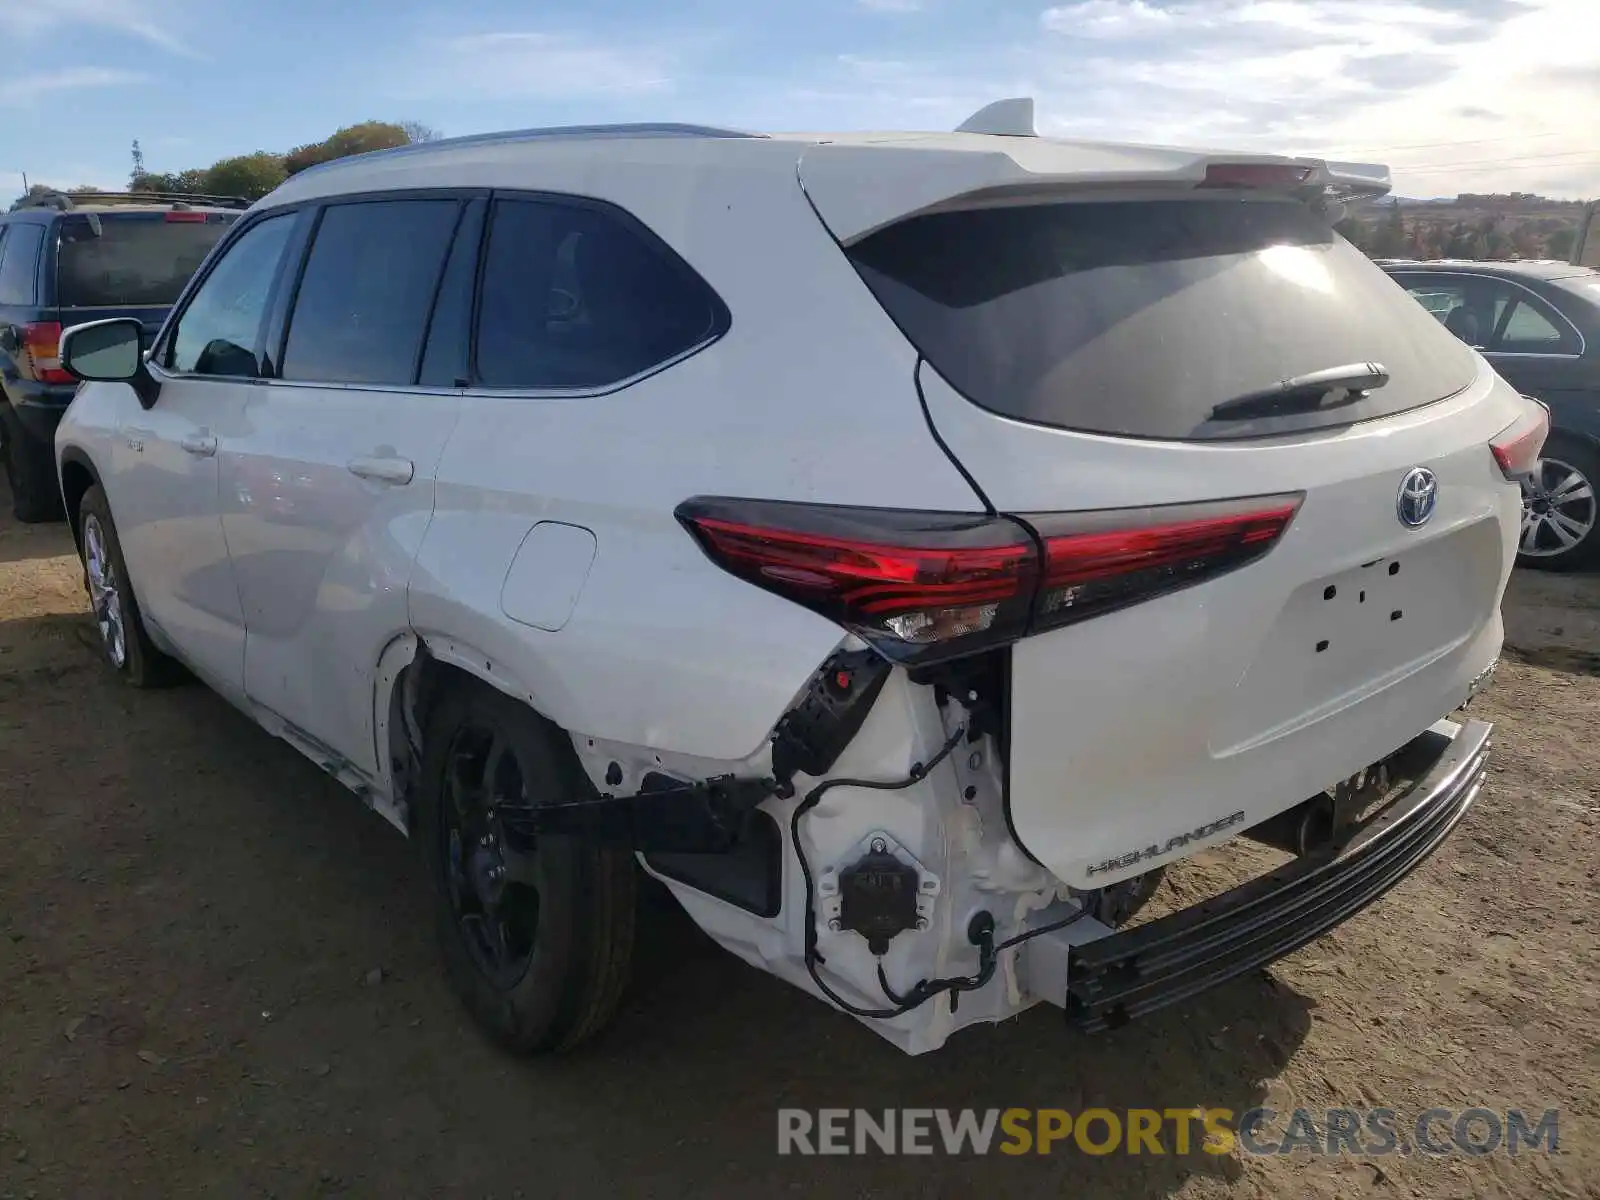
(1529, 327)
(19, 264)
(128, 259)
(1138, 318)
(361, 310)
(576, 296)
(1490, 314)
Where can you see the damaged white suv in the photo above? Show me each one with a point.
(901, 545)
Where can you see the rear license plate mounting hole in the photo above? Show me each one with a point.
(1394, 568)
(1322, 645)
(1396, 615)
(1329, 592)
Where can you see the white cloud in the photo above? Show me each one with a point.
(1510, 85)
(1108, 18)
(153, 24)
(537, 65)
(18, 91)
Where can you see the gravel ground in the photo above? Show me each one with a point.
(216, 977)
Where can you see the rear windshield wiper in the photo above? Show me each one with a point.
(1332, 387)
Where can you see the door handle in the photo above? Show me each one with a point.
(382, 469)
(201, 445)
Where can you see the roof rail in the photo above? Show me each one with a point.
(65, 202)
(550, 133)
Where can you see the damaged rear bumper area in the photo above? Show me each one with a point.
(1115, 978)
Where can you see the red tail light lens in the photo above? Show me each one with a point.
(913, 584)
(1516, 447)
(928, 586)
(1096, 562)
(41, 348)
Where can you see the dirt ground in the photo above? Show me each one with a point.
(216, 977)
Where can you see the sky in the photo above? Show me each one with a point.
(1456, 95)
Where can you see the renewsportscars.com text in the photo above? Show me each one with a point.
(1360, 1132)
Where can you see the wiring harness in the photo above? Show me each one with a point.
(980, 930)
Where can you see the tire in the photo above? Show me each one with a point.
(124, 642)
(564, 913)
(30, 471)
(1567, 486)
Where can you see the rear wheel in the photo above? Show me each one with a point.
(1559, 510)
(537, 937)
(123, 640)
(30, 472)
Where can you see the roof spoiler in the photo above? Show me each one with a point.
(1344, 181)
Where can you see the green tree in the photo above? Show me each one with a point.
(355, 139)
(249, 175)
(1559, 243)
(1390, 241)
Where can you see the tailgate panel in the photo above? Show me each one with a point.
(1141, 735)
(1342, 637)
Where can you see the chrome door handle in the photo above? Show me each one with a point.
(201, 445)
(383, 469)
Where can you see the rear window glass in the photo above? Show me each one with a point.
(577, 297)
(19, 263)
(125, 259)
(1138, 318)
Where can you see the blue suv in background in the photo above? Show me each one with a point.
(65, 260)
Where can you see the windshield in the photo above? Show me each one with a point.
(122, 259)
(1138, 318)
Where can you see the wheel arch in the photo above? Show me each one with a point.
(413, 673)
(78, 475)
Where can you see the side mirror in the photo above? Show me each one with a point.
(109, 352)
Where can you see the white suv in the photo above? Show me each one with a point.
(900, 545)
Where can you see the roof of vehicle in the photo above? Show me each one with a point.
(995, 154)
(51, 203)
(1533, 268)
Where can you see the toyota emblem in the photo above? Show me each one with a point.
(1419, 491)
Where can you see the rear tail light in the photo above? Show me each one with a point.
(40, 358)
(911, 584)
(922, 587)
(1516, 447)
(1096, 562)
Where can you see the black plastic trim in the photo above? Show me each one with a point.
(1114, 979)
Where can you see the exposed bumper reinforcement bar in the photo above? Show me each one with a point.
(1113, 979)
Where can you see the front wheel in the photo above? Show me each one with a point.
(1559, 512)
(123, 639)
(537, 937)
